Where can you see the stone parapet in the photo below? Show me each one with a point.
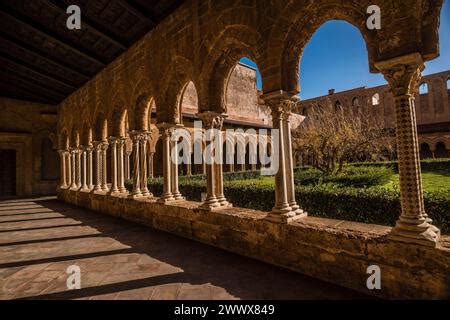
(331, 250)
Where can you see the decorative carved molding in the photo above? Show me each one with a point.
(403, 73)
(212, 120)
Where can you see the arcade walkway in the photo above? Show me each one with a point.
(40, 238)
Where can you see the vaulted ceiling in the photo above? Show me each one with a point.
(43, 61)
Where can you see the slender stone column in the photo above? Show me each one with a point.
(90, 168)
(114, 182)
(63, 177)
(104, 148)
(189, 167)
(281, 212)
(120, 157)
(98, 165)
(78, 167)
(73, 154)
(174, 174)
(414, 226)
(127, 164)
(151, 172)
(143, 159)
(136, 193)
(289, 163)
(165, 136)
(220, 195)
(69, 169)
(84, 186)
(211, 120)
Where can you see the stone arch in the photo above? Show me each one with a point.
(86, 135)
(141, 101)
(188, 99)
(63, 140)
(234, 43)
(441, 150)
(292, 32)
(423, 88)
(75, 138)
(180, 74)
(119, 119)
(101, 127)
(376, 99)
(425, 151)
(142, 112)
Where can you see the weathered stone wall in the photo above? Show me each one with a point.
(30, 129)
(331, 250)
(242, 98)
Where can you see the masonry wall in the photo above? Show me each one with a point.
(30, 130)
(335, 251)
(432, 108)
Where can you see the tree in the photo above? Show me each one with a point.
(332, 137)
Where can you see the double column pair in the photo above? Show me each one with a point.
(286, 208)
(215, 197)
(171, 190)
(100, 183)
(117, 146)
(140, 189)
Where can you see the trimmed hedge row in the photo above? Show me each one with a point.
(368, 205)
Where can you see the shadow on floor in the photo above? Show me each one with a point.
(239, 276)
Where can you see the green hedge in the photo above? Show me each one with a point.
(351, 177)
(368, 205)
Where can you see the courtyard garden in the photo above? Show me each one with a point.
(362, 192)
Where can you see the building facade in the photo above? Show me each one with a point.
(432, 110)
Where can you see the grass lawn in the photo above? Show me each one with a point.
(432, 181)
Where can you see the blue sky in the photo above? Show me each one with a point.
(336, 57)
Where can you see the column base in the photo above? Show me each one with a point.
(284, 218)
(123, 190)
(223, 202)
(165, 199)
(135, 194)
(85, 190)
(210, 204)
(146, 193)
(425, 234)
(113, 191)
(297, 210)
(178, 197)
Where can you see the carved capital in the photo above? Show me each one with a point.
(212, 120)
(139, 136)
(281, 104)
(403, 73)
(113, 141)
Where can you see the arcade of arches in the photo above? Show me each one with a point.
(119, 126)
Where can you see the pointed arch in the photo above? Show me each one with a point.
(234, 43)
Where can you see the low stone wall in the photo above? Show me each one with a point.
(331, 250)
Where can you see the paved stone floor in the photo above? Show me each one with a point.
(41, 238)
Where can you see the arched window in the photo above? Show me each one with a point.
(423, 89)
(441, 151)
(376, 99)
(49, 162)
(448, 83)
(425, 151)
(355, 102)
(338, 106)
